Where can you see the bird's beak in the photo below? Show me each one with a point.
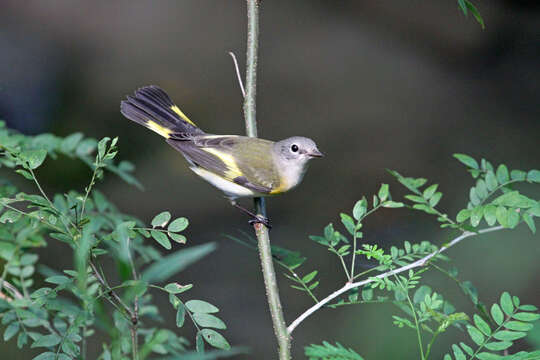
(315, 153)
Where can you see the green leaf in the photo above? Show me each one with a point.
(518, 175)
(199, 306)
(435, 199)
(178, 225)
(348, 222)
(25, 174)
(488, 356)
(161, 219)
(367, 294)
(530, 222)
(498, 345)
(69, 143)
(528, 308)
(199, 342)
(429, 191)
(208, 320)
(513, 219)
(463, 215)
(46, 356)
(482, 325)
(181, 239)
(102, 147)
(161, 238)
(22, 340)
(58, 279)
(475, 334)
(359, 209)
(392, 204)
(458, 353)
(180, 314)
(467, 348)
(215, 339)
(10, 216)
(476, 215)
(502, 174)
(490, 214)
(11, 330)
(172, 264)
(467, 160)
(481, 189)
(491, 181)
(478, 18)
(497, 314)
(86, 147)
(514, 199)
(34, 158)
(502, 215)
(176, 288)
(523, 316)
(506, 304)
(383, 192)
(309, 276)
(327, 351)
(518, 326)
(473, 196)
(534, 176)
(421, 293)
(509, 335)
(47, 341)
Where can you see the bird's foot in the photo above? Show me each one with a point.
(259, 219)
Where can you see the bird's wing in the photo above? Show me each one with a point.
(248, 167)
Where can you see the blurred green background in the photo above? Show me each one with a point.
(377, 84)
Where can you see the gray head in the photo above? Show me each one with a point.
(297, 149)
(292, 156)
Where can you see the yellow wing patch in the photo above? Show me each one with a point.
(177, 110)
(232, 169)
(161, 130)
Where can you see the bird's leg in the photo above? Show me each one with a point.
(256, 219)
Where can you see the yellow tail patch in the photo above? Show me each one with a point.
(177, 110)
(161, 130)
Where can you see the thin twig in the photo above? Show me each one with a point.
(261, 231)
(111, 292)
(239, 77)
(417, 263)
(135, 316)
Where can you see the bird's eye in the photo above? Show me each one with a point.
(294, 148)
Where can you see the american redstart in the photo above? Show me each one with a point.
(239, 166)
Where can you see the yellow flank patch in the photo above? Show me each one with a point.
(280, 189)
(161, 130)
(177, 110)
(233, 171)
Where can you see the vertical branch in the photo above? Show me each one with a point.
(261, 231)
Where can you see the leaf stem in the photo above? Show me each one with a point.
(413, 310)
(418, 263)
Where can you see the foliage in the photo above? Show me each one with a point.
(56, 310)
(329, 351)
(466, 6)
(396, 275)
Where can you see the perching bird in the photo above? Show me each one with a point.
(240, 166)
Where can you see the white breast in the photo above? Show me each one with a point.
(230, 189)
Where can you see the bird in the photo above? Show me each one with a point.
(239, 166)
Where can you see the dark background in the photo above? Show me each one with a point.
(377, 84)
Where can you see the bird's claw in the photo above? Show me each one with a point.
(259, 219)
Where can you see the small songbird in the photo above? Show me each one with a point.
(240, 166)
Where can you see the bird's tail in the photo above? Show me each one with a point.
(151, 107)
